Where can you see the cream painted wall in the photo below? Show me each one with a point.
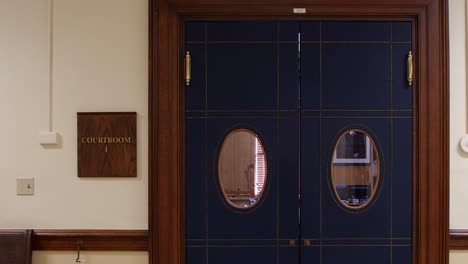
(100, 64)
(458, 257)
(458, 122)
(458, 115)
(59, 257)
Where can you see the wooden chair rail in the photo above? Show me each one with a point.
(458, 239)
(96, 240)
(137, 240)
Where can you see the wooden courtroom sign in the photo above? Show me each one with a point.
(107, 144)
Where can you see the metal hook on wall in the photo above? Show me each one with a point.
(79, 244)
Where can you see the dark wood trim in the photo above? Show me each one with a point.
(98, 240)
(152, 129)
(16, 244)
(458, 239)
(166, 157)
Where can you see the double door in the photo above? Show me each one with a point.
(298, 142)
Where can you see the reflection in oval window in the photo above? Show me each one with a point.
(242, 168)
(355, 169)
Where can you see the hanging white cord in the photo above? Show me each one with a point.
(51, 61)
(50, 137)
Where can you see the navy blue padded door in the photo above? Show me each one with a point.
(353, 76)
(244, 75)
(299, 97)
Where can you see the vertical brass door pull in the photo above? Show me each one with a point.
(410, 68)
(188, 68)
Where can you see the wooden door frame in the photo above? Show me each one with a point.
(166, 110)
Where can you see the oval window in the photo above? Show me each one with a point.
(355, 169)
(242, 168)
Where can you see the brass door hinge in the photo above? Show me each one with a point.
(188, 68)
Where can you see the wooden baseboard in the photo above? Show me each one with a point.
(98, 240)
(458, 239)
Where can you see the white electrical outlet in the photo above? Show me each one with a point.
(25, 186)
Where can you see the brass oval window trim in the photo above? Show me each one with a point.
(356, 162)
(250, 172)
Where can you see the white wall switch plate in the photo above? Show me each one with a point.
(48, 138)
(25, 186)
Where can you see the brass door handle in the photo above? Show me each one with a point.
(410, 68)
(188, 68)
